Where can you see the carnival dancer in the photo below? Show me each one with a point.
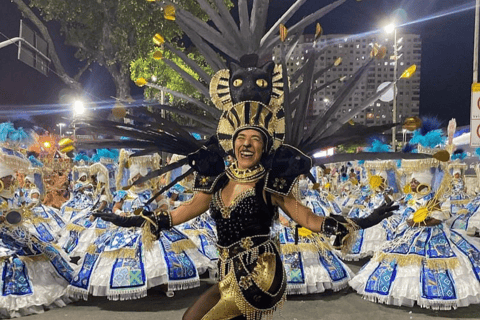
(35, 274)
(50, 224)
(382, 188)
(426, 263)
(83, 229)
(468, 214)
(172, 260)
(82, 193)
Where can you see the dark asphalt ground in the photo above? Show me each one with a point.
(342, 305)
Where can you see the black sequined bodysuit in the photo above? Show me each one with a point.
(248, 215)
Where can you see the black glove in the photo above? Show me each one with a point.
(133, 221)
(163, 220)
(380, 213)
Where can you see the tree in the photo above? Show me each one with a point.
(160, 73)
(111, 33)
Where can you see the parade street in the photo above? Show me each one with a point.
(342, 305)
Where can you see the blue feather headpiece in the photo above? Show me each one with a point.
(16, 137)
(35, 162)
(108, 154)
(458, 154)
(378, 146)
(429, 135)
(81, 156)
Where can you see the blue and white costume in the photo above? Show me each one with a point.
(35, 273)
(432, 266)
(311, 265)
(124, 262)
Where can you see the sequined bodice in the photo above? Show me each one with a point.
(248, 215)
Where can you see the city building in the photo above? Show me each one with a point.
(354, 52)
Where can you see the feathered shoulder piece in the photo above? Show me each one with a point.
(286, 165)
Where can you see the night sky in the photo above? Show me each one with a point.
(447, 55)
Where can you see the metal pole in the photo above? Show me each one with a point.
(475, 41)
(394, 111)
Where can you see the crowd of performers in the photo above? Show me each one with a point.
(56, 252)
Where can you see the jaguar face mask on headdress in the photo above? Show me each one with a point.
(251, 98)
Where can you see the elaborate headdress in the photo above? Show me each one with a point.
(104, 167)
(11, 159)
(81, 167)
(274, 104)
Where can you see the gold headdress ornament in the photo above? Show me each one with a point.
(251, 114)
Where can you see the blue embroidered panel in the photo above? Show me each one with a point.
(336, 207)
(101, 224)
(15, 278)
(173, 235)
(82, 279)
(438, 246)
(294, 268)
(316, 208)
(469, 250)
(57, 219)
(43, 233)
(103, 240)
(333, 266)
(419, 242)
(180, 266)
(392, 180)
(122, 238)
(437, 284)
(404, 248)
(39, 212)
(128, 272)
(208, 249)
(61, 266)
(289, 235)
(357, 246)
(380, 281)
(282, 237)
(461, 222)
(72, 242)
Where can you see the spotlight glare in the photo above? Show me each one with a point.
(78, 107)
(389, 28)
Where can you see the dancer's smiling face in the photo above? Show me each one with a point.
(248, 146)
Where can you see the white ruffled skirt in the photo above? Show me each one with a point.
(124, 263)
(312, 266)
(433, 267)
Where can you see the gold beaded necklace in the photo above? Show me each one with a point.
(245, 175)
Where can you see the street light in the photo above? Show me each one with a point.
(60, 125)
(78, 109)
(389, 29)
